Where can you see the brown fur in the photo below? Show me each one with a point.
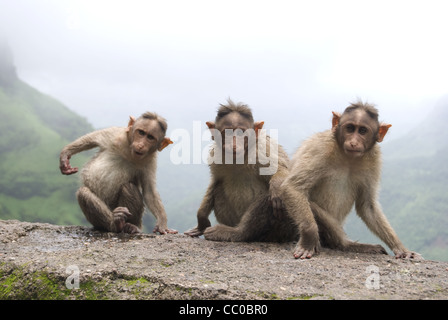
(246, 204)
(121, 177)
(325, 182)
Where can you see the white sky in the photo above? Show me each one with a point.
(297, 59)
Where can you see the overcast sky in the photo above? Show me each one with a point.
(291, 61)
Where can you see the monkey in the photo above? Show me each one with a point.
(121, 178)
(335, 170)
(245, 198)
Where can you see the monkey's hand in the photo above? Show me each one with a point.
(65, 167)
(194, 232)
(303, 253)
(308, 244)
(121, 214)
(405, 254)
(164, 230)
(199, 229)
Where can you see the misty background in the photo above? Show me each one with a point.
(292, 62)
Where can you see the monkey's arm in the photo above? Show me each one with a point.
(298, 208)
(368, 208)
(295, 192)
(273, 169)
(154, 203)
(91, 140)
(204, 211)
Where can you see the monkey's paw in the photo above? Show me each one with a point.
(408, 255)
(365, 248)
(378, 249)
(211, 233)
(164, 230)
(194, 232)
(220, 233)
(131, 229)
(303, 253)
(121, 214)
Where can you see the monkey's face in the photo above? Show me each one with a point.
(235, 134)
(356, 134)
(145, 138)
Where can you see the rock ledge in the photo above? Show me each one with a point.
(44, 261)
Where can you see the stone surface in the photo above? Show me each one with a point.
(43, 261)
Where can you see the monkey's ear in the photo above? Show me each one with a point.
(165, 142)
(130, 123)
(335, 120)
(210, 124)
(382, 131)
(258, 126)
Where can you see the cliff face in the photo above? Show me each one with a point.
(43, 261)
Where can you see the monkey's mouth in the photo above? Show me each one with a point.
(354, 152)
(139, 154)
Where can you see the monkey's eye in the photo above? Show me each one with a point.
(362, 130)
(151, 137)
(350, 128)
(141, 132)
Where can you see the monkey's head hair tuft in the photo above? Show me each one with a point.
(154, 116)
(241, 108)
(369, 108)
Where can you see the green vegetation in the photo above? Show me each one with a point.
(37, 285)
(19, 284)
(33, 130)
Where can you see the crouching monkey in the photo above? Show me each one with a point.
(336, 169)
(121, 177)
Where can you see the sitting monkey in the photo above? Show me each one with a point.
(121, 177)
(243, 191)
(335, 170)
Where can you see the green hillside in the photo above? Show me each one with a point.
(33, 129)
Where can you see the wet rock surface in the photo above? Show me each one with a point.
(44, 261)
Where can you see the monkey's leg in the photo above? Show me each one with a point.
(131, 198)
(333, 236)
(298, 209)
(253, 226)
(95, 210)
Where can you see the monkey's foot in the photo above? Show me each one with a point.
(131, 228)
(365, 248)
(221, 233)
(121, 214)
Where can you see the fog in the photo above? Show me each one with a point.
(293, 62)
